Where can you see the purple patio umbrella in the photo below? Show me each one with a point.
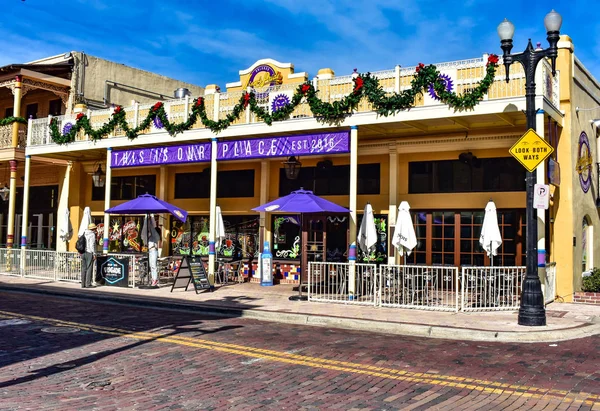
(301, 201)
(148, 204)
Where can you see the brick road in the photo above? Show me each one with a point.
(132, 358)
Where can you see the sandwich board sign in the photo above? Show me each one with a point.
(531, 150)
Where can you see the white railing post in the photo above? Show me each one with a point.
(186, 108)
(48, 130)
(136, 114)
(216, 105)
(397, 79)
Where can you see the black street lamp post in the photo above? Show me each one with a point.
(531, 311)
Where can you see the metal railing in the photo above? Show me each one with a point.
(40, 264)
(330, 282)
(10, 261)
(491, 288)
(417, 286)
(466, 75)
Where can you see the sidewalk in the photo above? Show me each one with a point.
(565, 321)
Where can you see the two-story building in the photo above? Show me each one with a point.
(447, 164)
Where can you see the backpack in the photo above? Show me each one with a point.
(80, 244)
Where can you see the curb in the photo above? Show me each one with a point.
(405, 329)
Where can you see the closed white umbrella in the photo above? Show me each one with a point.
(66, 230)
(220, 228)
(490, 238)
(404, 238)
(367, 234)
(86, 220)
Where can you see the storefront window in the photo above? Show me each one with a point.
(230, 184)
(379, 254)
(123, 234)
(286, 237)
(127, 188)
(454, 238)
(192, 237)
(451, 176)
(333, 180)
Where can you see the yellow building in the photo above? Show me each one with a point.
(447, 164)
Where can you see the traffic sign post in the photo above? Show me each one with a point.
(531, 150)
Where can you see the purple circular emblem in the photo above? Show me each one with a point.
(448, 83)
(266, 81)
(157, 123)
(279, 101)
(67, 128)
(584, 162)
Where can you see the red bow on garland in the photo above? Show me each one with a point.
(492, 59)
(305, 88)
(157, 106)
(419, 67)
(118, 109)
(358, 83)
(199, 102)
(80, 116)
(246, 99)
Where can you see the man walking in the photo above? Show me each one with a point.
(88, 257)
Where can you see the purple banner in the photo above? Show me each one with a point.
(308, 144)
(190, 153)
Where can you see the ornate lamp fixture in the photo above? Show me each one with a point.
(99, 177)
(4, 192)
(292, 168)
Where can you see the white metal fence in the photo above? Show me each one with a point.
(491, 288)
(417, 286)
(330, 282)
(60, 265)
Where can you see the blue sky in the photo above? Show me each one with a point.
(206, 42)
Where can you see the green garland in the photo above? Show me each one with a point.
(9, 120)
(365, 86)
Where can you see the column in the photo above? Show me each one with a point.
(393, 201)
(107, 187)
(63, 206)
(541, 213)
(212, 212)
(264, 228)
(352, 205)
(25, 221)
(10, 227)
(16, 110)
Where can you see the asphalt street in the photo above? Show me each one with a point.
(68, 354)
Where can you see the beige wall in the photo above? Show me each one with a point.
(95, 71)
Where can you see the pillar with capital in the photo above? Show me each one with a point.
(17, 92)
(10, 227)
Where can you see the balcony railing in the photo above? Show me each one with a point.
(464, 73)
(6, 136)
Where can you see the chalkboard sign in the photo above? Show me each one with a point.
(183, 275)
(199, 275)
(191, 270)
